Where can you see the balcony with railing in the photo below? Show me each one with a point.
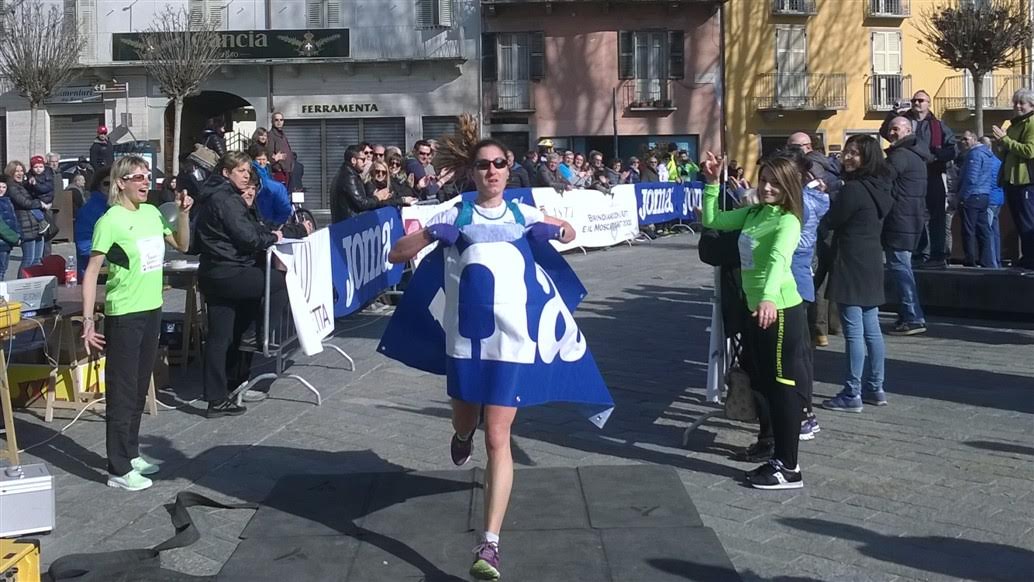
(882, 92)
(793, 7)
(801, 91)
(648, 95)
(956, 93)
(511, 96)
(395, 43)
(888, 8)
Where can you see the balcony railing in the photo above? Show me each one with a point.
(888, 8)
(512, 96)
(648, 95)
(956, 93)
(793, 7)
(882, 92)
(388, 43)
(801, 91)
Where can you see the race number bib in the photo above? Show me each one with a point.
(746, 246)
(152, 253)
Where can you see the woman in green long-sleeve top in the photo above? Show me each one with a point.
(1015, 147)
(777, 349)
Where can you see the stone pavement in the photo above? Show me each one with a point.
(936, 486)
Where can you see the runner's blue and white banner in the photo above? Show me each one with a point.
(496, 318)
(359, 249)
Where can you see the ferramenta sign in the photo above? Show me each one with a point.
(254, 44)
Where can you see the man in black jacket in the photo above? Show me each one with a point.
(519, 177)
(939, 140)
(904, 224)
(349, 193)
(102, 155)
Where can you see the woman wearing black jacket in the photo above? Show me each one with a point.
(380, 181)
(856, 277)
(24, 204)
(230, 239)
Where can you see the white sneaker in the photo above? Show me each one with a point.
(131, 481)
(143, 466)
(255, 395)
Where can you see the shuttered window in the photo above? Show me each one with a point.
(438, 126)
(489, 59)
(434, 13)
(306, 137)
(213, 11)
(83, 14)
(651, 54)
(322, 13)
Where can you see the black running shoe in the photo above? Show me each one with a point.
(908, 329)
(224, 408)
(774, 476)
(462, 449)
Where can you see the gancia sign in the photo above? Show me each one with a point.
(253, 44)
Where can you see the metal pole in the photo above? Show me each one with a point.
(614, 117)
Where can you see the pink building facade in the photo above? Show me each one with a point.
(618, 77)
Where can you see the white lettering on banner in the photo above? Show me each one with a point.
(509, 341)
(309, 287)
(366, 254)
(656, 201)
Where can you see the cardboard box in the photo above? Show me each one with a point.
(29, 381)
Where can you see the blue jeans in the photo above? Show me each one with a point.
(32, 254)
(5, 256)
(976, 232)
(899, 264)
(862, 333)
(996, 235)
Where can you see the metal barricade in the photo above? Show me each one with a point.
(280, 345)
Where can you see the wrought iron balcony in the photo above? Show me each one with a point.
(956, 93)
(648, 95)
(883, 91)
(793, 7)
(801, 91)
(511, 96)
(888, 8)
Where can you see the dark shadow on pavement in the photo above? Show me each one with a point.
(1001, 447)
(962, 385)
(955, 558)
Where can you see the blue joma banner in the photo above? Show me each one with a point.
(359, 258)
(667, 201)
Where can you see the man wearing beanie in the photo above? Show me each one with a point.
(102, 155)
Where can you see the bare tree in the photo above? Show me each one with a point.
(39, 50)
(978, 37)
(180, 53)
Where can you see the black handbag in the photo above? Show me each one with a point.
(719, 248)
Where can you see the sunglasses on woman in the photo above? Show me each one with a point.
(379, 173)
(498, 163)
(138, 177)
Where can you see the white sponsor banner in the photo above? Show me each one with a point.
(309, 287)
(599, 220)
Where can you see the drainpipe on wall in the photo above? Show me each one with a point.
(269, 68)
(614, 117)
(477, 74)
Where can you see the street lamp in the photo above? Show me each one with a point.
(130, 9)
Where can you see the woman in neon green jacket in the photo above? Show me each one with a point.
(777, 349)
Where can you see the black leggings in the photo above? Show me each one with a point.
(233, 304)
(132, 347)
(779, 363)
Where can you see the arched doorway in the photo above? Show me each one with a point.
(237, 112)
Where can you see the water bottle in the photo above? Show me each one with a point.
(71, 272)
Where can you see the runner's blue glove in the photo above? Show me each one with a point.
(543, 231)
(445, 234)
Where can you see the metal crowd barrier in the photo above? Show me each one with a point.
(280, 345)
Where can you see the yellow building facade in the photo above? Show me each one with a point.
(834, 68)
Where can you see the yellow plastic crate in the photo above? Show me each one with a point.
(29, 382)
(10, 313)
